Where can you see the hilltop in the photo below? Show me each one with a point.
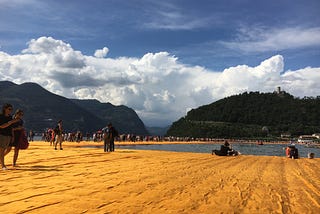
(252, 114)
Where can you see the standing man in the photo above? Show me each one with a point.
(112, 134)
(106, 139)
(31, 135)
(58, 134)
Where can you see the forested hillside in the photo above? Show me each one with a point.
(251, 114)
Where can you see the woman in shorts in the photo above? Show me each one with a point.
(5, 131)
(17, 128)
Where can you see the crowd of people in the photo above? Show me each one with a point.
(48, 135)
(56, 136)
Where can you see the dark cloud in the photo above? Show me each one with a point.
(71, 80)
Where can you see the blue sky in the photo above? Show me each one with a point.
(194, 31)
(209, 39)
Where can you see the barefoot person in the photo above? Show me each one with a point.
(58, 133)
(5, 131)
(17, 131)
(112, 133)
(106, 139)
(109, 134)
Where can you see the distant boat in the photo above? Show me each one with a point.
(259, 143)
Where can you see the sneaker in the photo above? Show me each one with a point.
(61, 148)
(55, 148)
(4, 168)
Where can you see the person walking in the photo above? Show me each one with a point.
(5, 131)
(18, 130)
(31, 135)
(58, 131)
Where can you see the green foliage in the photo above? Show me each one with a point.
(244, 116)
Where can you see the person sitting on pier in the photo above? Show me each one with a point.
(292, 152)
(225, 150)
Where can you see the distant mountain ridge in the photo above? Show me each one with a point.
(121, 116)
(158, 131)
(43, 109)
(251, 114)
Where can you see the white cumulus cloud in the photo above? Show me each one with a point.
(101, 53)
(157, 86)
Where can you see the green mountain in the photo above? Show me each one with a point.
(123, 118)
(158, 131)
(43, 109)
(251, 114)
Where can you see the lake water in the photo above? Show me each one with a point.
(245, 149)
